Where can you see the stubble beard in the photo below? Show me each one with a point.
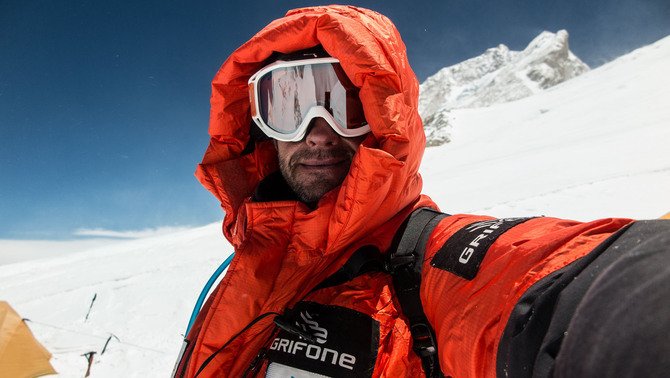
(309, 187)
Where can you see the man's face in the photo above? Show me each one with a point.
(318, 163)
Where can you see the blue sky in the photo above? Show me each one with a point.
(104, 105)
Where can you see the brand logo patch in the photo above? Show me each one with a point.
(321, 334)
(464, 252)
(346, 342)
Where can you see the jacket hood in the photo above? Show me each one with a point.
(383, 178)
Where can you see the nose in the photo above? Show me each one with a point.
(321, 134)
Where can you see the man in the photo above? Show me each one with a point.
(329, 168)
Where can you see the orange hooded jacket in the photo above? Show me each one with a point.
(284, 249)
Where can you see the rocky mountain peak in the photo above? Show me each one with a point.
(496, 76)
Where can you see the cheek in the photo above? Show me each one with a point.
(284, 151)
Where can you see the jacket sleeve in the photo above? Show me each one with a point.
(476, 270)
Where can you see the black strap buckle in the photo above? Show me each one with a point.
(424, 342)
(396, 262)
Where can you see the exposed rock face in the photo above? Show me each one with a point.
(498, 75)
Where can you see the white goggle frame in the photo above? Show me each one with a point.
(315, 111)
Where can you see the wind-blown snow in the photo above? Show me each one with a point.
(594, 146)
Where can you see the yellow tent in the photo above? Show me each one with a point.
(666, 216)
(20, 354)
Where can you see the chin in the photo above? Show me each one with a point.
(313, 191)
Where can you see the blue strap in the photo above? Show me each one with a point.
(205, 291)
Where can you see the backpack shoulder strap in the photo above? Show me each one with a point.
(405, 263)
(365, 259)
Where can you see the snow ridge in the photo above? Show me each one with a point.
(498, 75)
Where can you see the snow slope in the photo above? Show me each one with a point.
(591, 147)
(14, 251)
(145, 290)
(595, 146)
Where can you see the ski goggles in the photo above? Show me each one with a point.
(287, 95)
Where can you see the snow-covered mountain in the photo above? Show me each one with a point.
(592, 147)
(498, 75)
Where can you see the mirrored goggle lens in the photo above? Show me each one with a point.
(286, 95)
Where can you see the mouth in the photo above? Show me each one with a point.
(322, 163)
